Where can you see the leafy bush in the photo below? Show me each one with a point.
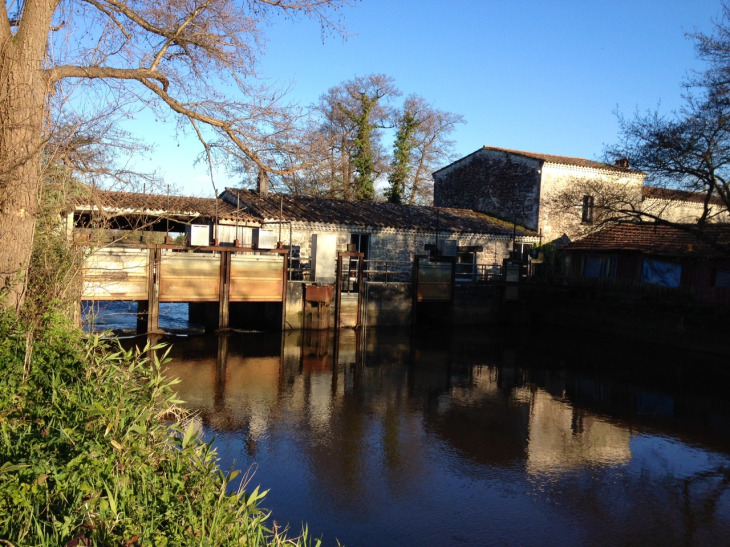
(88, 455)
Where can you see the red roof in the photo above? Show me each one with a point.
(658, 239)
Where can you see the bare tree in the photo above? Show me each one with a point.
(171, 56)
(690, 149)
(432, 146)
(690, 152)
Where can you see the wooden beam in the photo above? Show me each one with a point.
(224, 287)
(153, 293)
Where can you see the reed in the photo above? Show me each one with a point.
(94, 450)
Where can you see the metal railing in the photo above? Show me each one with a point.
(300, 268)
(388, 271)
(392, 271)
(478, 273)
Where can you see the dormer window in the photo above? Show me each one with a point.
(587, 216)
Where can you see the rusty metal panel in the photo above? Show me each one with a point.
(257, 278)
(316, 293)
(116, 274)
(434, 281)
(188, 277)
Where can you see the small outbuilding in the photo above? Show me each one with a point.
(681, 257)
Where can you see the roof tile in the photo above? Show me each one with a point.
(659, 240)
(368, 213)
(565, 160)
(160, 204)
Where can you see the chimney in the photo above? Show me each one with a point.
(622, 162)
(262, 184)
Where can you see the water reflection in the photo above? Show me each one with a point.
(391, 438)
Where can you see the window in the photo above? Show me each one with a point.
(722, 278)
(599, 266)
(587, 216)
(658, 272)
(362, 244)
(466, 266)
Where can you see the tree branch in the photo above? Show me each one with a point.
(141, 74)
(224, 126)
(130, 14)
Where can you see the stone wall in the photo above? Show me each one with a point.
(555, 221)
(400, 245)
(683, 211)
(503, 185)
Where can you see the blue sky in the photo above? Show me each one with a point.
(531, 75)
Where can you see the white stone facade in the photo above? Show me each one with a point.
(685, 212)
(400, 245)
(557, 179)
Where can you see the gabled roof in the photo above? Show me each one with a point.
(659, 240)
(557, 160)
(368, 214)
(668, 194)
(565, 160)
(158, 204)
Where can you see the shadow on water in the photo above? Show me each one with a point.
(470, 437)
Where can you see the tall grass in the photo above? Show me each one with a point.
(88, 455)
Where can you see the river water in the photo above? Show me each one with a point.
(469, 436)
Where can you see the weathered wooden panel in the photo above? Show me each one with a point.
(116, 274)
(256, 278)
(187, 277)
(434, 281)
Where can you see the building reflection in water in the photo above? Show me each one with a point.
(383, 420)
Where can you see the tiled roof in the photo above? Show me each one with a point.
(667, 194)
(367, 213)
(658, 239)
(159, 204)
(565, 160)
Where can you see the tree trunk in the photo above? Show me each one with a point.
(22, 110)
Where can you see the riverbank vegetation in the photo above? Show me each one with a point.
(88, 455)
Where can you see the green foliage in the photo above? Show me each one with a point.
(54, 280)
(88, 455)
(402, 150)
(363, 159)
